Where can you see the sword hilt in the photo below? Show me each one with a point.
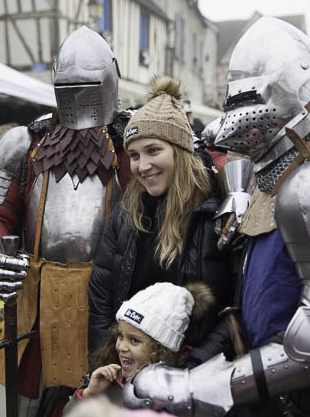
(230, 313)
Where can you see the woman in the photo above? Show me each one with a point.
(163, 231)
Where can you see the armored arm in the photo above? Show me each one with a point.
(233, 179)
(214, 387)
(293, 219)
(14, 145)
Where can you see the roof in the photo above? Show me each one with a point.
(230, 32)
(15, 84)
(204, 20)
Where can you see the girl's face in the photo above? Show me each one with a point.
(152, 163)
(133, 348)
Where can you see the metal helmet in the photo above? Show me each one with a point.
(268, 87)
(85, 75)
(210, 131)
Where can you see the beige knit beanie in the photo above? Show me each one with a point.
(162, 117)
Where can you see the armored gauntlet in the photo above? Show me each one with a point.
(213, 388)
(13, 266)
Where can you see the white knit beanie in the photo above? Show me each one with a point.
(162, 311)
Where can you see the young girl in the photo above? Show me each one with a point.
(165, 227)
(151, 328)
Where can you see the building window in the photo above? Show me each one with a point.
(194, 52)
(200, 58)
(105, 21)
(180, 38)
(144, 39)
(169, 61)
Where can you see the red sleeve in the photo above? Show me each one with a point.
(10, 209)
(123, 172)
(79, 394)
(218, 158)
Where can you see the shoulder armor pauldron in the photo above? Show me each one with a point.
(14, 144)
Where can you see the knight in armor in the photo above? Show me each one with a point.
(59, 177)
(266, 119)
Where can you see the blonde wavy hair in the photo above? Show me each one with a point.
(189, 188)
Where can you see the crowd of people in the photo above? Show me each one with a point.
(128, 290)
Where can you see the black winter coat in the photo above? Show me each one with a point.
(200, 261)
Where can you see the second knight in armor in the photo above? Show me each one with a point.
(266, 118)
(58, 178)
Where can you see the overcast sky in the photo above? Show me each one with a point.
(218, 10)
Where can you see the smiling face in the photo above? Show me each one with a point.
(152, 163)
(133, 347)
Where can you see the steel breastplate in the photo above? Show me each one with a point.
(73, 218)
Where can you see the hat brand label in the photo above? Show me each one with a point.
(132, 131)
(133, 315)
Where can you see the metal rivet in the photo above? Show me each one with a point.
(273, 371)
(170, 398)
(304, 65)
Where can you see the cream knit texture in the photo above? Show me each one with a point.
(162, 311)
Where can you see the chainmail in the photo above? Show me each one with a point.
(40, 125)
(116, 130)
(269, 176)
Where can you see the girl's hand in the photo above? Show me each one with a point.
(100, 379)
